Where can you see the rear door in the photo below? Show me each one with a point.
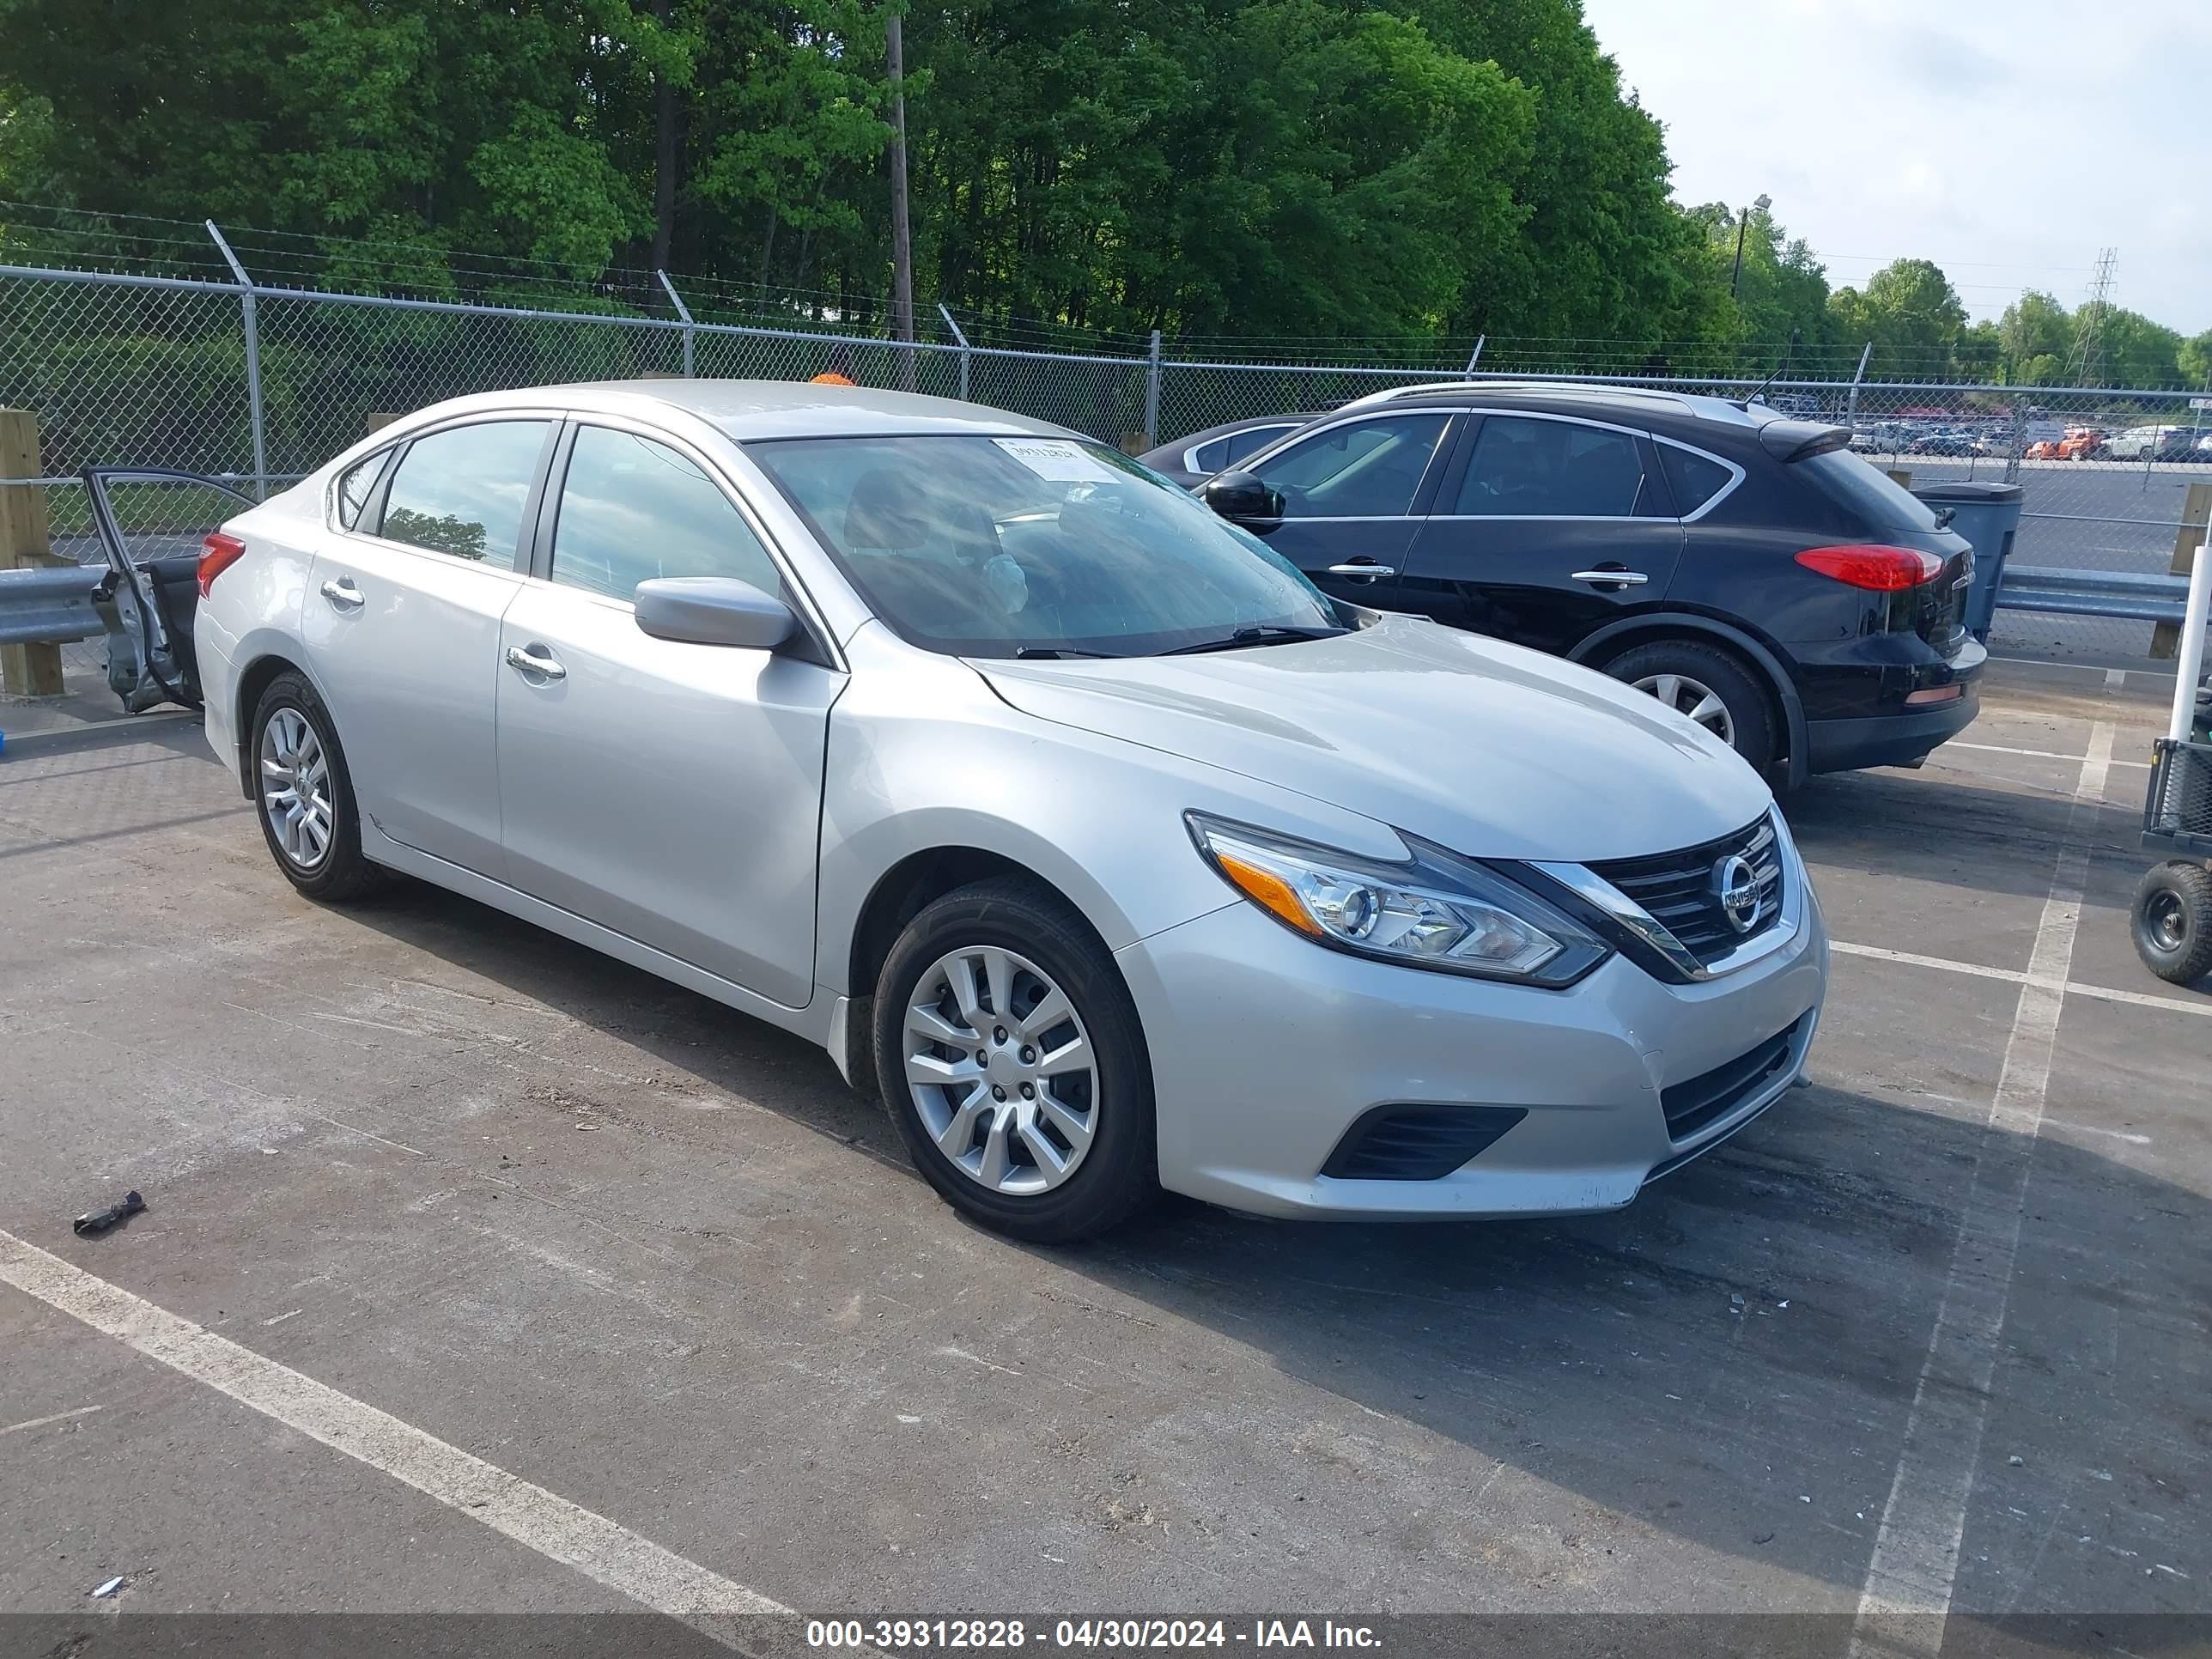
(1544, 528)
(669, 791)
(1353, 490)
(401, 624)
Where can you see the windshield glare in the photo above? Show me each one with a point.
(989, 547)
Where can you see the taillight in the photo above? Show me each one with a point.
(1875, 568)
(217, 554)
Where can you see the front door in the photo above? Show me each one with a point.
(1351, 493)
(402, 631)
(669, 791)
(1544, 530)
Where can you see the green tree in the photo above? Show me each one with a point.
(1911, 312)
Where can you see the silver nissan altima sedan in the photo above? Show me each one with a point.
(1060, 812)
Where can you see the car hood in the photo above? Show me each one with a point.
(1485, 748)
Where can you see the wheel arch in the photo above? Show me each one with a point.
(253, 680)
(1650, 628)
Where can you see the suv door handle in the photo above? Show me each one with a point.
(1611, 577)
(343, 594)
(535, 659)
(1368, 570)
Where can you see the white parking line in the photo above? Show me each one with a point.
(537, 1519)
(2033, 754)
(2014, 976)
(1906, 1598)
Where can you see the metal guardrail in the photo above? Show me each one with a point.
(49, 606)
(2117, 593)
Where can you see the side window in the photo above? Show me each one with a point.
(1693, 479)
(461, 491)
(1525, 468)
(1238, 445)
(1361, 469)
(1210, 456)
(632, 509)
(358, 485)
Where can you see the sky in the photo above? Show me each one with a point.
(2007, 140)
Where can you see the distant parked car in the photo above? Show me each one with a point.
(1741, 566)
(2159, 443)
(1197, 457)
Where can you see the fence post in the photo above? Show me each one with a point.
(1475, 356)
(2195, 518)
(963, 339)
(252, 363)
(26, 670)
(1851, 410)
(684, 312)
(2017, 452)
(1152, 394)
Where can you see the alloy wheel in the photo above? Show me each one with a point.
(295, 788)
(1693, 697)
(1002, 1070)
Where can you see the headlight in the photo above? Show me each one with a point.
(1436, 910)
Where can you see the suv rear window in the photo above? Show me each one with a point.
(1865, 491)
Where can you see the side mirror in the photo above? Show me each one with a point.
(1241, 498)
(713, 610)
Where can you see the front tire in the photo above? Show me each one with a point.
(1710, 685)
(304, 793)
(2172, 921)
(1011, 1059)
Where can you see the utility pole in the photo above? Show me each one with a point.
(901, 233)
(2085, 364)
(1743, 225)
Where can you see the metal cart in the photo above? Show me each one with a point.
(2171, 915)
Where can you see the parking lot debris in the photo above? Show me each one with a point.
(108, 1589)
(99, 1221)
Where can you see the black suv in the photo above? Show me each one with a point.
(1745, 567)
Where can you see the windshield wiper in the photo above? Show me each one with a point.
(1054, 653)
(1263, 633)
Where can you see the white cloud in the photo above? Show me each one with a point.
(2007, 140)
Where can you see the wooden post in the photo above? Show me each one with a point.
(2196, 514)
(26, 670)
(376, 423)
(1903, 477)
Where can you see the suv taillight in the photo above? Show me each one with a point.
(217, 554)
(1874, 566)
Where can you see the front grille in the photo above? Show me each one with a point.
(1711, 1096)
(1681, 891)
(1417, 1143)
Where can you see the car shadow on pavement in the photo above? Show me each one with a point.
(1731, 1362)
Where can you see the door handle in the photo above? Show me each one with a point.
(343, 594)
(535, 659)
(1369, 571)
(1611, 577)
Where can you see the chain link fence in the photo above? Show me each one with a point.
(266, 383)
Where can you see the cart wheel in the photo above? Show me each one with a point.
(2172, 920)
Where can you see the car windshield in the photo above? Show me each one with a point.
(1005, 546)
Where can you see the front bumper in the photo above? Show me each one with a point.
(1267, 1050)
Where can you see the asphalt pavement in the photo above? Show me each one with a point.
(480, 1274)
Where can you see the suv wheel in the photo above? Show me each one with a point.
(305, 794)
(1010, 1057)
(1710, 685)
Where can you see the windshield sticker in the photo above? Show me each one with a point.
(1058, 459)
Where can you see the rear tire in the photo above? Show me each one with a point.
(303, 793)
(2172, 921)
(1688, 677)
(1050, 1154)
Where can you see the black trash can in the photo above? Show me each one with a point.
(1988, 515)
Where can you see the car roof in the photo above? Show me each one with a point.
(748, 410)
(1640, 401)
